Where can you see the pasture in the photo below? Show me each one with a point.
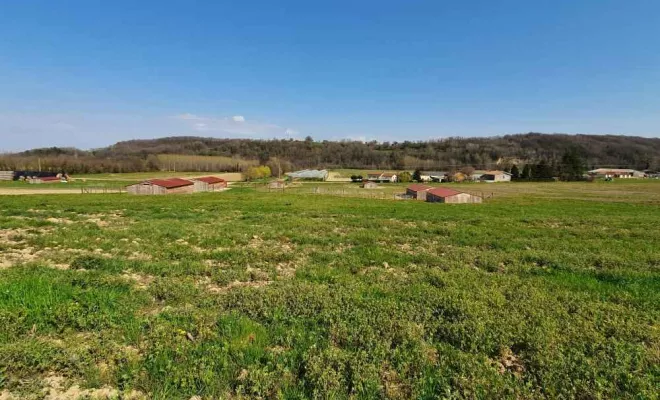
(547, 290)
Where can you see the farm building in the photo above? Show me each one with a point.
(309, 174)
(28, 175)
(279, 184)
(495, 176)
(49, 179)
(369, 185)
(450, 196)
(162, 186)
(209, 184)
(6, 175)
(381, 177)
(433, 176)
(418, 191)
(616, 173)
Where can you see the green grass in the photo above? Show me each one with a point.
(544, 291)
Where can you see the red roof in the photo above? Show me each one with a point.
(387, 175)
(49, 178)
(416, 187)
(210, 179)
(444, 192)
(170, 183)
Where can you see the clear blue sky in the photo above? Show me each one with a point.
(89, 73)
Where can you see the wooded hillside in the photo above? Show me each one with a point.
(449, 153)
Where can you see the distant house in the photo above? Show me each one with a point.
(417, 191)
(433, 176)
(476, 175)
(162, 186)
(450, 196)
(495, 176)
(369, 185)
(209, 184)
(382, 177)
(616, 173)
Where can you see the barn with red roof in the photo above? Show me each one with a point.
(450, 196)
(162, 186)
(418, 191)
(209, 184)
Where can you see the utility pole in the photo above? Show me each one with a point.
(39, 159)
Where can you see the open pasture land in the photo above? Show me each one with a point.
(633, 191)
(133, 177)
(544, 291)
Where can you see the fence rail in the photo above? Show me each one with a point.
(358, 192)
(102, 189)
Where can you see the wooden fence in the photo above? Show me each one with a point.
(362, 193)
(102, 189)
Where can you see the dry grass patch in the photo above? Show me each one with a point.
(141, 281)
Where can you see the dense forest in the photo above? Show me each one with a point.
(211, 154)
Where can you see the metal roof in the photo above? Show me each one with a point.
(419, 188)
(210, 179)
(444, 192)
(309, 174)
(170, 183)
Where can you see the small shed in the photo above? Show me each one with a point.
(209, 184)
(451, 196)
(369, 185)
(6, 175)
(278, 184)
(418, 191)
(162, 186)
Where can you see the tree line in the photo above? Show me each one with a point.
(542, 152)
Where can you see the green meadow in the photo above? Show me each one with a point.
(545, 291)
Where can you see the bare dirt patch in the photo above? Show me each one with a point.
(509, 362)
(56, 387)
(59, 220)
(236, 284)
(141, 281)
(12, 257)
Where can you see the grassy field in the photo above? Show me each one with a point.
(139, 176)
(545, 291)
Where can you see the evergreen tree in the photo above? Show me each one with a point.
(542, 170)
(417, 175)
(515, 173)
(572, 166)
(527, 172)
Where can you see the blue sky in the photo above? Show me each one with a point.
(90, 73)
